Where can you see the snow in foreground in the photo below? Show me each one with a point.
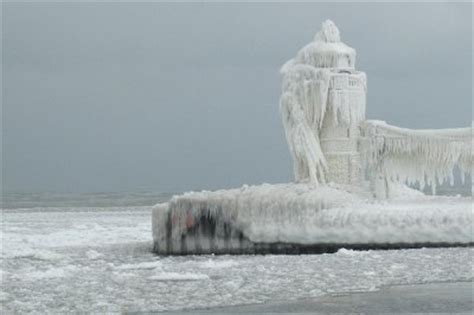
(100, 260)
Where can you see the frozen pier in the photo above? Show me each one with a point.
(349, 176)
(299, 219)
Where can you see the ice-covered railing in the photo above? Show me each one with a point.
(424, 157)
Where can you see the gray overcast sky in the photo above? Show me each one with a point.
(171, 97)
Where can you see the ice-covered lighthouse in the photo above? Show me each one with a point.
(322, 85)
(350, 176)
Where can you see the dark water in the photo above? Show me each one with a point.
(15, 200)
(446, 298)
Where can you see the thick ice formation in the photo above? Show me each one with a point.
(303, 106)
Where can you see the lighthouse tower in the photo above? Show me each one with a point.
(322, 105)
(346, 107)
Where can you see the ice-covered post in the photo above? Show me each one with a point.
(322, 104)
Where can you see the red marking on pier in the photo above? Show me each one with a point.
(189, 220)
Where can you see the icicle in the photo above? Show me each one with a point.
(303, 106)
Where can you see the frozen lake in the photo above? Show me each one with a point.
(89, 259)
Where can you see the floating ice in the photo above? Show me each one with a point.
(142, 265)
(173, 276)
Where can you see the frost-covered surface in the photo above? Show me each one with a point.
(426, 157)
(306, 214)
(99, 260)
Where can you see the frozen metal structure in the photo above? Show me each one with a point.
(342, 165)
